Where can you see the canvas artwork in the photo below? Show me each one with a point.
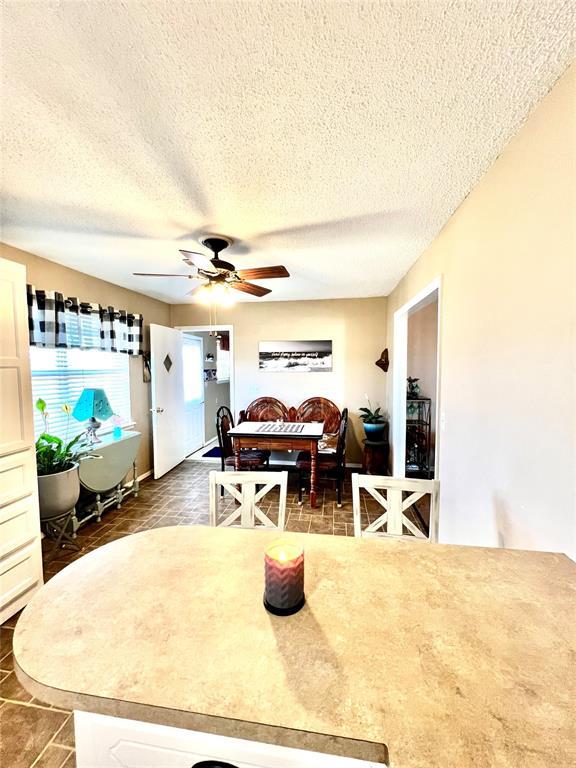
(301, 356)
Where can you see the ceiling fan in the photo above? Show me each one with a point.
(219, 275)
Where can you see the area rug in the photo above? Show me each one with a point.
(213, 453)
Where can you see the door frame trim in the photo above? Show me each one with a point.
(188, 335)
(399, 374)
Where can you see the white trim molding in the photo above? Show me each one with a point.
(400, 372)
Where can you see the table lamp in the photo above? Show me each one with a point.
(92, 403)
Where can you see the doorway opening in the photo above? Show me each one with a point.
(416, 380)
(209, 362)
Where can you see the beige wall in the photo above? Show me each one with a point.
(356, 327)
(507, 454)
(423, 354)
(48, 275)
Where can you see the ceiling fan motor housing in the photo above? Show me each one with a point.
(216, 244)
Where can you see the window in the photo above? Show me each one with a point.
(60, 375)
(193, 370)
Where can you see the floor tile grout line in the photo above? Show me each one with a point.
(33, 705)
(55, 743)
(69, 751)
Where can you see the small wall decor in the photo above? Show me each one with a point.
(383, 362)
(209, 374)
(300, 356)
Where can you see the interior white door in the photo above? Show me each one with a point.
(193, 358)
(20, 553)
(168, 426)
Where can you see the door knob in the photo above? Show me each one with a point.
(156, 410)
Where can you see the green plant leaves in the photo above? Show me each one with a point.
(73, 442)
(53, 455)
(372, 417)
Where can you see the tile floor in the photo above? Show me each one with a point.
(35, 734)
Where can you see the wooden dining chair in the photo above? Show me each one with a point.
(389, 493)
(248, 489)
(331, 461)
(250, 458)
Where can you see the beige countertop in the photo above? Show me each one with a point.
(451, 656)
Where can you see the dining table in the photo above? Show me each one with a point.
(280, 436)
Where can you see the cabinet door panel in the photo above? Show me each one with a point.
(17, 477)
(20, 553)
(109, 742)
(20, 574)
(19, 525)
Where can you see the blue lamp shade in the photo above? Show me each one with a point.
(92, 403)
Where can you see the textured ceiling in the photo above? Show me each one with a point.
(336, 138)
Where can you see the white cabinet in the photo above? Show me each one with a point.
(109, 742)
(20, 552)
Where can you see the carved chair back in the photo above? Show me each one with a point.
(320, 409)
(266, 409)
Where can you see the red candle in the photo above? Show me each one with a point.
(284, 577)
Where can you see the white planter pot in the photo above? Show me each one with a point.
(58, 494)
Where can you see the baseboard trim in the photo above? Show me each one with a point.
(144, 476)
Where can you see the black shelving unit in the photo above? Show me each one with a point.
(418, 437)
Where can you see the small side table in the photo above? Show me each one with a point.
(111, 479)
(375, 457)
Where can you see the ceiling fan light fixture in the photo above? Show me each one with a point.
(215, 294)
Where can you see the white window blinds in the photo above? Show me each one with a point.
(60, 375)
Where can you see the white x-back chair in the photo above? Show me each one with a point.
(243, 487)
(393, 521)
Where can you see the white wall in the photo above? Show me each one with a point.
(507, 453)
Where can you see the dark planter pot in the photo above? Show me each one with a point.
(58, 493)
(374, 432)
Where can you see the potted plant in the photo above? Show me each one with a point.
(413, 391)
(57, 468)
(374, 422)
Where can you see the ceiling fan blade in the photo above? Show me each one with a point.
(198, 260)
(254, 290)
(161, 274)
(262, 273)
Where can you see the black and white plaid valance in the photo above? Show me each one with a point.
(58, 321)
